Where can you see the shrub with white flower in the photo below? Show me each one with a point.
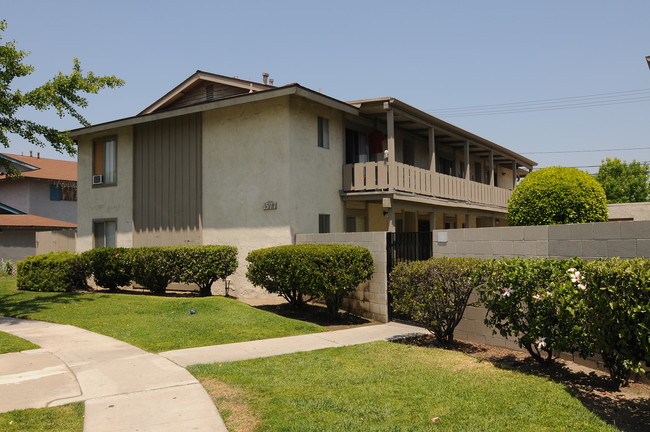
(522, 298)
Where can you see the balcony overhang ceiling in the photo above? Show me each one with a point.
(419, 123)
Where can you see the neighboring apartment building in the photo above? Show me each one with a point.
(43, 198)
(220, 160)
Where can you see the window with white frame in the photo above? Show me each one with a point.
(105, 161)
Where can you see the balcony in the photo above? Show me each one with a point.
(384, 176)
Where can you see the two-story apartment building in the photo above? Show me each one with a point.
(220, 160)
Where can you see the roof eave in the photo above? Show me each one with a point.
(291, 89)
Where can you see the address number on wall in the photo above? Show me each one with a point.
(270, 205)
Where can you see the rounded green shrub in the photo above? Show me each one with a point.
(204, 265)
(110, 266)
(435, 292)
(301, 272)
(155, 267)
(557, 195)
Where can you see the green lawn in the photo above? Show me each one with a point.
(150, 322)
(66, 418)
(389, 387)
(10, 343)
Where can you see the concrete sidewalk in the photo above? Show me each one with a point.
(124, 387)
(286, 345)
(128, 389)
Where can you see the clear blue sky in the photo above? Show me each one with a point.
(433, 55)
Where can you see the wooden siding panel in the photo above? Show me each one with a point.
(167, 181)
(197, 94)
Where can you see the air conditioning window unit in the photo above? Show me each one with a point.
(98, 179)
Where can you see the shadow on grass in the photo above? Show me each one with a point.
(316, 314)
(594, 390)
(21, 304)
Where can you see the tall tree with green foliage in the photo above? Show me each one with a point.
(624, 182)
(62, 93)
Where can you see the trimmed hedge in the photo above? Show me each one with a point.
(110, 266)
(54, 271)
(154, 267)
(435, 292)
(301, 272)
(204, 265)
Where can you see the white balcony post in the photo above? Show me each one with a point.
(467, 176)
(390, 132)
(432, 150)
(491, 167)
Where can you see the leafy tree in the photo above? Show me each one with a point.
(623, 182)
(557, 195)
(61, 93)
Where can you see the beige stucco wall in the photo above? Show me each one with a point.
(267, 151)
(633, 211)
(107, 202)
(244, 151)
(316, 174)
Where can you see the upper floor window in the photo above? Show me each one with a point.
(446, 166)
(105, 161)
(63, 192)
(356, 147)
(323, 132)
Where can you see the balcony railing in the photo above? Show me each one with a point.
(376, 176)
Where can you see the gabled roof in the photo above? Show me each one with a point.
(27, 221)
(273, 92)
(41, 168)
(203, 77)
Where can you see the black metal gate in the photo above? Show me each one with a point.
(405, 246)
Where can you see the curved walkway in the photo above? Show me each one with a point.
(128, 389)
(124, 387)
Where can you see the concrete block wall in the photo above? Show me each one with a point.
(371, 298)
(627, 239)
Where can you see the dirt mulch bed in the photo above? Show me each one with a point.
(317, 314)
(628, 409)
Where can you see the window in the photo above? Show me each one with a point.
(104, 233)
(355, 224)
(356, 147)
(323, 223)
(446, 166)
(323, 133)
(476, 175)
(105, 161)
(63, 192)
(409, 153)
